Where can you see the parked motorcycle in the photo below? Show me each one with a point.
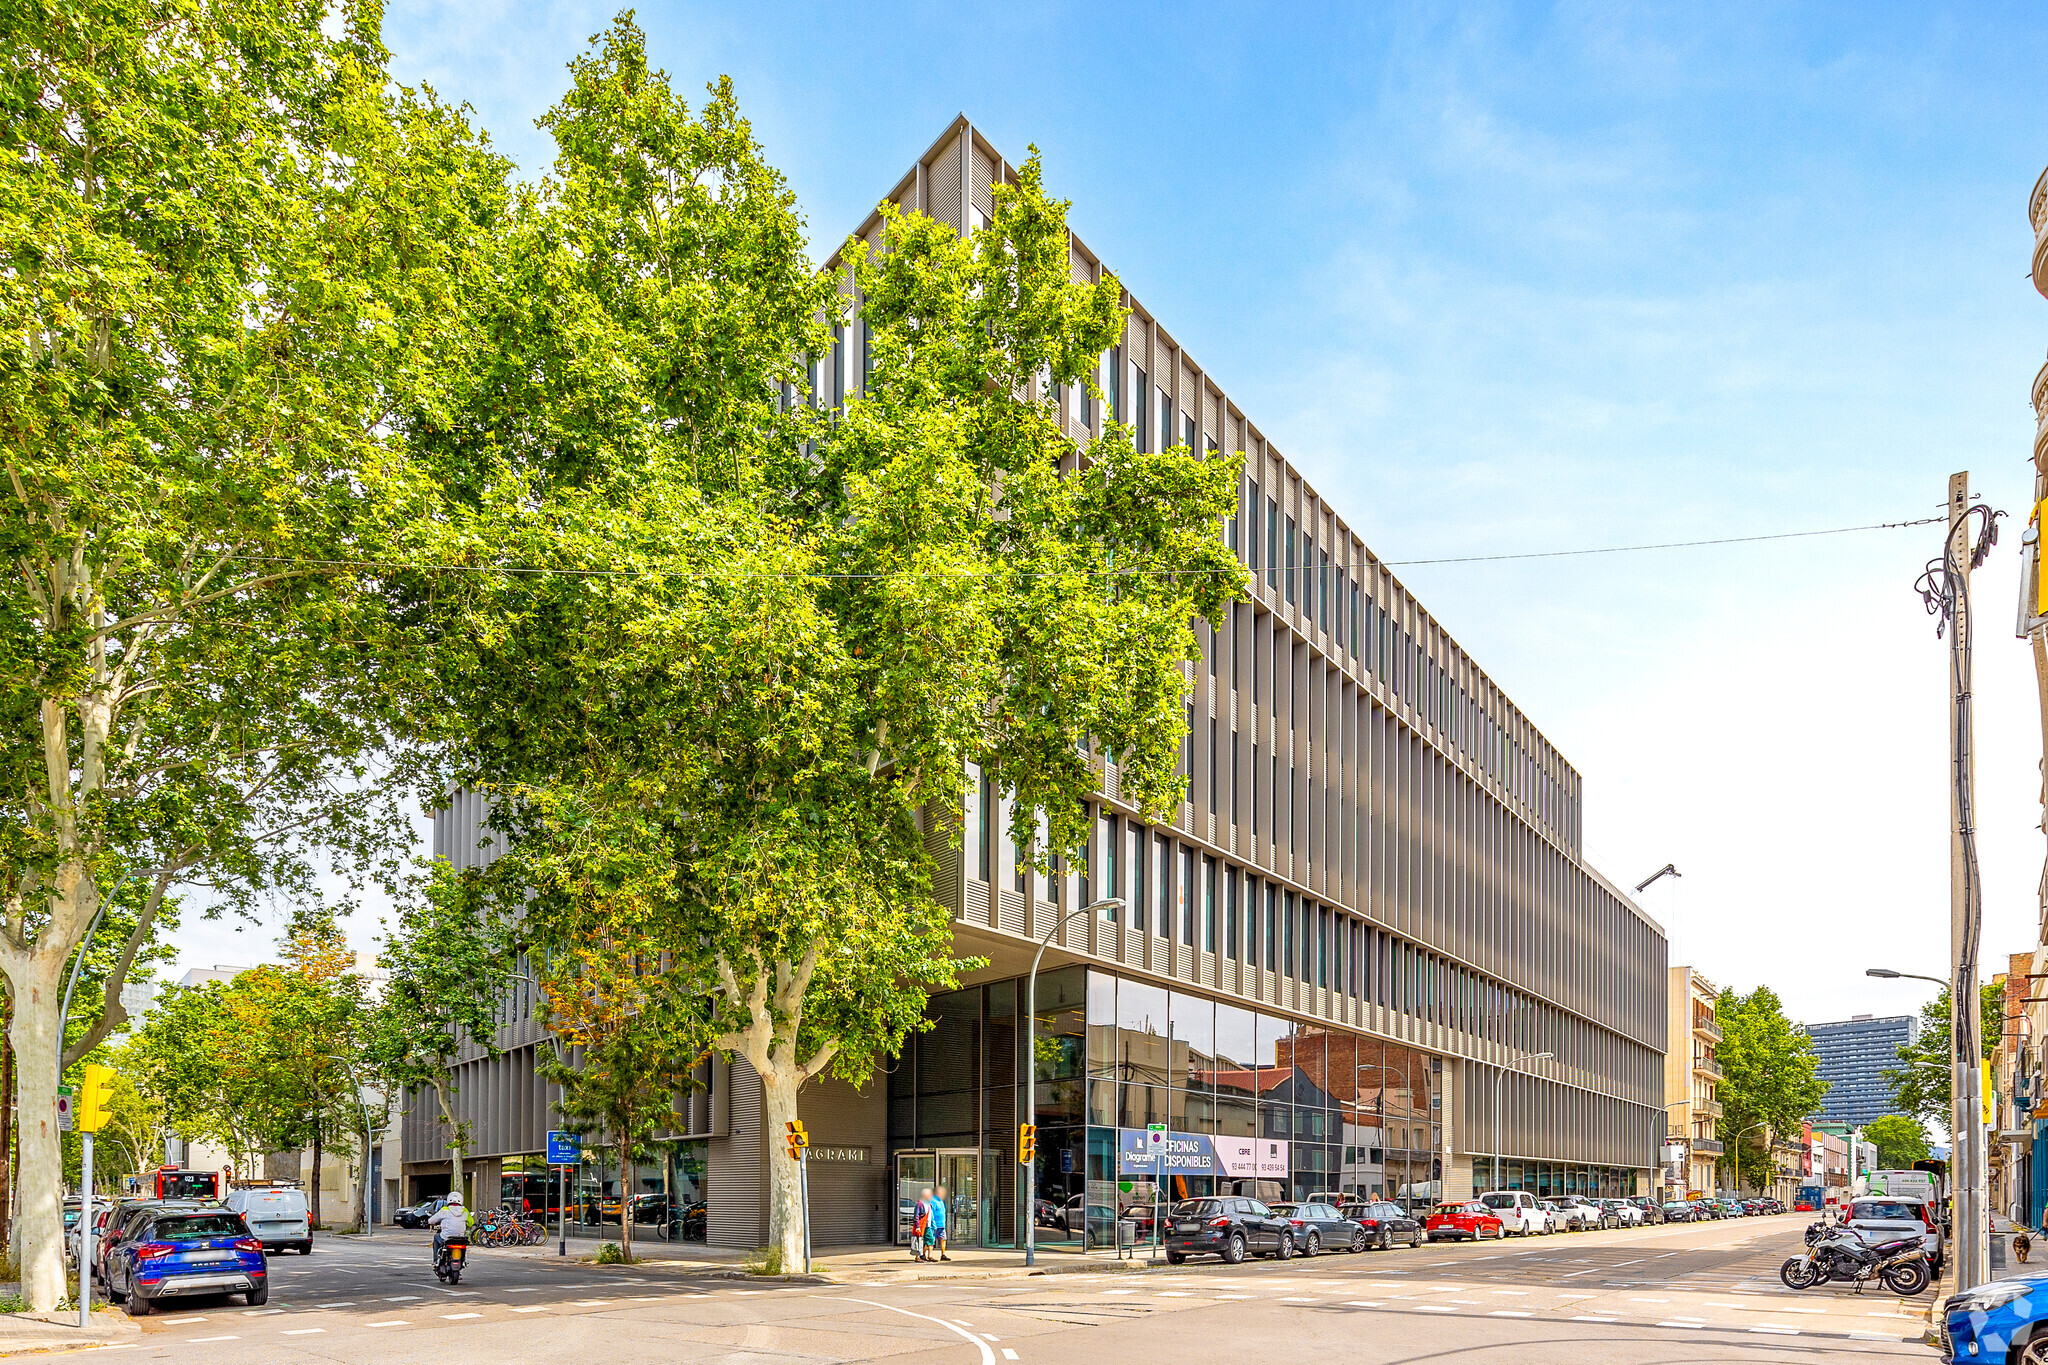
(1844, 1255)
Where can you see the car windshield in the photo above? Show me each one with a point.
(1285, 1210)
(1497, 1201)
(1886, 1210)
(1449, 1208)
(1189, 1208)
(197, 1228)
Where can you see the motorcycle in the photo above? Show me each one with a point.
(1845, 1255)
(448, 1257)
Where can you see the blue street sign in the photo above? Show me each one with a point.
(564, 1149)
(1066, 1161)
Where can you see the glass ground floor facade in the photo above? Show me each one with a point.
(663, 1192)
(1144, 1094)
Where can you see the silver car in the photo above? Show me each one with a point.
(1880, 1217)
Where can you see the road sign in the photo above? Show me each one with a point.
(565, 1149)
(1066, 1161)
(64, 1115)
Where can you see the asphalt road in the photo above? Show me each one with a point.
(1672, 1294)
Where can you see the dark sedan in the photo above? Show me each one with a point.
(1678, 1211)
(1653, 1212)
(1317, 1226)
(1232, 1228)
(416, 1215)
(1385, 1224)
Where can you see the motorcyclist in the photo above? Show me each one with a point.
(451, 1223)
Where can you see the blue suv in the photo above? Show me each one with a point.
(2004, 1322)
(181, 1252)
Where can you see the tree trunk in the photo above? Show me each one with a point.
(455, 1146)
(37, 982)
(626, 1195)
(315, 1182)
(6, 1127)
(785, 1191)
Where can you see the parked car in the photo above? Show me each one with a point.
(1385, 1223)
(1705, 1210)
(1880, 1217)
(178, 1253)
(276, 1215)
(416, 1215)
(1319, 1226)
(1679, 1211)
(1774, 1206)
(1231, 1228)
(1470, 1221)
(1518, 1211)
(1626, 1214)
(1596, 1211)
(123, 1220)
(2004, 1320)
(1567, 1217)
(1652, 1210)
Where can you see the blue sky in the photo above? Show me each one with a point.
(1526, 278)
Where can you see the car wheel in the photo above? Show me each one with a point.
(259, 1296)
(1358, 1241)
(1386, 1240)
(1233, 1250)
(138, 1306)
(1414, 1241)
(1313, 1246)
(2036, 1352)
(1176, 1258)
(1286, 1248)
(306, 1247)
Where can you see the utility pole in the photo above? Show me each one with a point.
(1966, 1127)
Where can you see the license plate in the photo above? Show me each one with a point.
(1183, 1227)
(203, 1257)
(456, 1253)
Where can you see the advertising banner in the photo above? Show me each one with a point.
(1142, 1153)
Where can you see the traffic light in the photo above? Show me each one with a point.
(94, 1098)
(798, 1139)
(1027, 1143)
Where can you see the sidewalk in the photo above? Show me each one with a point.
(834, 1263)
(58, 1331)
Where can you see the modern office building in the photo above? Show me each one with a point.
(1373, 900)
(1692, 1077)
(1854, 1054)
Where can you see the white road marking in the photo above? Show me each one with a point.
(529, 1289)
(260, 1312)
(451, 1317)
(534, 1308)
(1675, 1323)
(1777, 1331)
(403, 1298)
(988, 1357)
(1510, 1313)
(963, 1322)
(990, 1336)
(1363, 1303)
(180, 1322)
(1590, 1317)
(198, 1339)
(1009, 1354)
(302, 1331)
(389, 1322)
(345, 1303)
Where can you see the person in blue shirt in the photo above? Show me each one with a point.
(939, 1223)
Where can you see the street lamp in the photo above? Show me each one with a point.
(1668, 870)
(1498, 1077)
(366, 1096)
(1031, 1068)
(1887, 974)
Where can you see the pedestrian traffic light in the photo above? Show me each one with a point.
(1027, 1143)
(798, 1139)
(93, 1098)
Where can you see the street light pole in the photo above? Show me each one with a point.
(1966, 1126)
(1498, 1077)
(1031, 1072)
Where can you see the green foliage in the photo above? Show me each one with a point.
(1900, 1140)
(611, 1253)
(764, 1261)
(1922, 1084)
(1770, 1082)
(229, 252)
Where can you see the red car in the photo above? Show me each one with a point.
(1462, 1221)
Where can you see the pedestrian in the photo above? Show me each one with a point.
(939, 1223)
(921, 1225)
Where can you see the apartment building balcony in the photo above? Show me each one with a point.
(1707, 1066)
(1707, 1147)
(2037, 209)
(1707, 1109)
(2041, 418)
(1707, 1027)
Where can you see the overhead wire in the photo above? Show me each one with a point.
(1128, 571)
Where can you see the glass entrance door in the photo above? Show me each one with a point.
(960, 1172)
(915, 1172)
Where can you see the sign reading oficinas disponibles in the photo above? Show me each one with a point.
(1158, 1152)
(846, 1156)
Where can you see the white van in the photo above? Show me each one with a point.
(1519, 1212)
(276, 1215)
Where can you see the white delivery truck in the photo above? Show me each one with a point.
(1908, 1185)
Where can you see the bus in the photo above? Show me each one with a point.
(173, 1183)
